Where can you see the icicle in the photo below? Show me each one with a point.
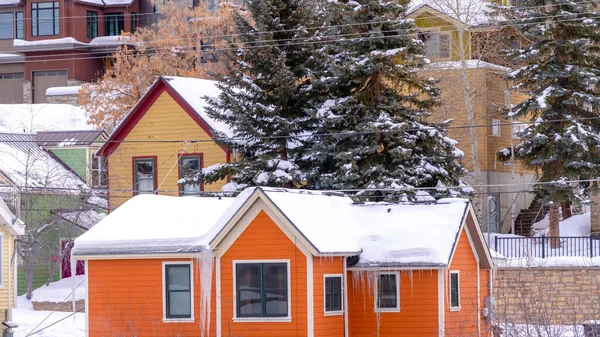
(205, 261)
(73, 264)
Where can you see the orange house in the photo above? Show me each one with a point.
(276, 262)
(164, 136)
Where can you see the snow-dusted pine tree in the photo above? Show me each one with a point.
(373, 130)
(264, 93)
(561, 74)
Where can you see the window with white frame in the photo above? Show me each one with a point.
(332, 291)
(496, 127)
(262, 289)
(188, 164)
(454, 290)
(387, 292)
(144, 170)
(518, 128)
(437, 45)
(178, 285)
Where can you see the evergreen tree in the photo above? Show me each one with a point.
(561, 73)
(372, 106)
(263, 94)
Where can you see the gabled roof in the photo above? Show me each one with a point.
(468, 12)
(26, 165)
(187, 92)
(69, 138)
(382, 234)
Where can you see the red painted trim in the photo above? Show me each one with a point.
(201, 156)
(140, 109)
(132, 118)
(107, 186)
(133, 159)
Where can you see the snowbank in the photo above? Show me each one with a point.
(60, 291)
(55, 324)
(577, 225)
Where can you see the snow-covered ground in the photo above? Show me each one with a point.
(46, 323)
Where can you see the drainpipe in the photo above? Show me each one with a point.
(345, 269)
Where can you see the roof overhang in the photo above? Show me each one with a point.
(430, 11)
(16, 58)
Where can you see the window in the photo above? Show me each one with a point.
(178, 290)
(92, 24)
(496, 127)
(144, 176)
(44, 18)
(437, 45)
(10, 76)
(6, 26)
(262, 289)
(114, 23)
(454, 290)
(387, 295)
(19, 25)
(187, 165)
(134, 19)
(333, 294)
(98, 171)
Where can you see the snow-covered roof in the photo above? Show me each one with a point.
(9, 2)
(69, 43)
(10, 221)
(26, 164)
(42, 117)
(469, 12)
(381, 233)
(85, 219)
(193, 90)
(61, 91)
(174, 225)
(469, 64)
(108, 2)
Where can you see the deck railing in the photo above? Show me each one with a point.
(541, 246)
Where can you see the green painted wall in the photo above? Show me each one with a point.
(75, 158)
(36, 210)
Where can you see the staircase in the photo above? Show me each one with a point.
(527, 217)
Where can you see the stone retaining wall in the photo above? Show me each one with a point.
(547, 295)
(66, 306)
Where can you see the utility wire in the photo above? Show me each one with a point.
(302, 136)
(289, 42)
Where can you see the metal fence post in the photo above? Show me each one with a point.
(591, 247)
(543, 246)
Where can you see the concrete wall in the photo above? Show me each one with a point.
(547, 296)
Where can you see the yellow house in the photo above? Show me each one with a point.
(167, 133)
(463, 45)
(10, 228)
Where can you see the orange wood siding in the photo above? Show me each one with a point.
(464, 322)
(164, 120)
(418, 314)
(484, 278)
(263, 240)
(326, 326)
(125, 298)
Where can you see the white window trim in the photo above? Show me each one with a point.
(164, 293)
(457, 272)
(496, 123)
(336, 312)
(397, 308)
(288, 318)
(2, 271)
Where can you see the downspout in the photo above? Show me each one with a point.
(345, 270)
(10, 294)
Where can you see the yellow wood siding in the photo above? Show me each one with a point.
(164, 120)
(7, 285)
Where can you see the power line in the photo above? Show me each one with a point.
(302, 136)
(290, 42)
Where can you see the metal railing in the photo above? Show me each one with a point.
(547, 246)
